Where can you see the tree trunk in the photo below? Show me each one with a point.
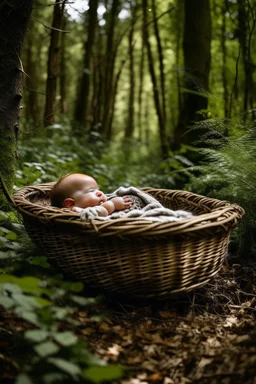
(197, 59)
(161, 59)
(141, 84)
(157, 100)
(31, 112)
(53, 66)
(63, 69)
(82, 103)
(244, 36)
(14, 17)
(129, 129)
(110, 61)
(224, 9)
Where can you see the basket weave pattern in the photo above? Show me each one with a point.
(135, 257)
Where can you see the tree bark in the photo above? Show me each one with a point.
(14, 18)
(197, 60)
(82, 103)
(31, 112)
(244, 36)
(63, 68)
(129, 129)
(157, 100)
(53, 66)
(224, 58)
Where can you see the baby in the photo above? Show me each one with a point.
(78, 191)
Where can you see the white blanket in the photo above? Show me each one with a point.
(153, 210)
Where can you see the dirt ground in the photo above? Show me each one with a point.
(206, 337)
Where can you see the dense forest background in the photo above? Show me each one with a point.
(143, 93)
(137, 92)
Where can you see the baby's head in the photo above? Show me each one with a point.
(78, 190)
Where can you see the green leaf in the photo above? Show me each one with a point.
(83, 300)
(11, 236)
(3, 216)
(23, 379)
(53, 378)
(46, 349)
(31, 317)
(107, 373)
(43, 302)
(65, 338)
(64, 365)
(4, 255)
(6, 302)
(36, 335)
(26, 302)
(41, 261)
(13, 288)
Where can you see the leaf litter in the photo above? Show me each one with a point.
(205, 337)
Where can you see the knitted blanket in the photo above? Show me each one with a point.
(152, 210)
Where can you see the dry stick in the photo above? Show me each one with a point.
(46, 26)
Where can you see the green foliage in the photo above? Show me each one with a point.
(229, 173)
(111, 164)
(31, 288)
(46, 353)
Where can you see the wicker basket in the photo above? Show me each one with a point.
(135, 257)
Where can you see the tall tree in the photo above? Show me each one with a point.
(53, 64)
(130, 116)
(197, 60)
(156, 93)
(14, 17)
(82, 103)
(246, 25)
(109, 80)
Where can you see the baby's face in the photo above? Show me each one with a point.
(87, 194)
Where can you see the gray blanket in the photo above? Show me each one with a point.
(152, 210)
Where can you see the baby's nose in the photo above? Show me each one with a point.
(99, 193)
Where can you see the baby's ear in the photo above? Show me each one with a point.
(68, 202)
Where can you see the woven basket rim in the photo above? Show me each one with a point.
(221, 213)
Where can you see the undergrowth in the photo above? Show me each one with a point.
(228, 172)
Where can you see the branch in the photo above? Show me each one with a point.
(46, 26)
(159, 17)
(52, 4)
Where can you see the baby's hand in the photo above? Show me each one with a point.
(122, 202)
(77, 209)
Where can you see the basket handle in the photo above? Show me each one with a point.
(5, 191)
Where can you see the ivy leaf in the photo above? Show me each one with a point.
(65, 338)
(101, 374)
(46, 349)
(36, 335)
(64, 365)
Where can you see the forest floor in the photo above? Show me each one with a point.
(206, 337)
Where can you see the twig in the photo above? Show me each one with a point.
(50, 5)
(159, 17)
(46, 26)
(34, 90)
(242, 307)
